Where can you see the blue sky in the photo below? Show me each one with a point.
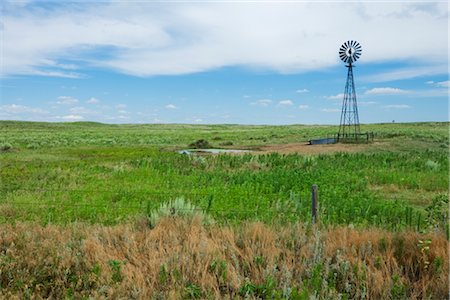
(221, 62)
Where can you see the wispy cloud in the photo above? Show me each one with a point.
(66, 100)
(82, 111)
(407, 73)
(335, 97)
(71, 118)
(397, 106)
(20, 109)
(386, 91)
(55, 74)
(331, 110)
(164, 39)
(366, 103)
(262, 102)
(303, 106)
(171, 106)
(286, 102)
(442, 84)
(302, 91)
(93, 100)
(121, 106)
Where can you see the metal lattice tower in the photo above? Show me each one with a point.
(349, 125)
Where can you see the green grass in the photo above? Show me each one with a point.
(65, 172)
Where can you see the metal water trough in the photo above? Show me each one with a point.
(322, 141)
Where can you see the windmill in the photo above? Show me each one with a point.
(349, 52)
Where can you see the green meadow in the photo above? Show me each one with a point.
(97, 173)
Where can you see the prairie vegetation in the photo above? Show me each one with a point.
(94, 210)
(181, 258)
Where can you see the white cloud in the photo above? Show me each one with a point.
(187, 37)
(262, 102)
(121, 106)
(444, 84)
(170, 106)
(408, 73)
(122, 111)
(302, 91)
(397, 106)
(71, 118)
(67, 100)
(366, 103)
(20, 109)
(54, 74)
(286, 103)
(92, 100)
(331, 110)
(303, 106)
(386, 91)
(335, 97)
(82, 110)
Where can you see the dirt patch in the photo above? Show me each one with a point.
(313, 149)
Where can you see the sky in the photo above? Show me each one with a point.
(217, 62)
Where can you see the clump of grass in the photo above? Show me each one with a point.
(227, 143)
(177, 208)
(432, 165)
(32, 146)
(200, 144)
(5, 147)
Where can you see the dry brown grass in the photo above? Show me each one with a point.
(182, 259)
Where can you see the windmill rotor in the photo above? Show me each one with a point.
(350, 51)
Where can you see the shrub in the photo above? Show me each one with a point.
(32, 146)
(432, 165)
(227, 143)
(5, 146)
(438, 213)
(200, 144)
(177, 208)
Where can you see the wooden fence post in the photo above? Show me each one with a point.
(314, 203)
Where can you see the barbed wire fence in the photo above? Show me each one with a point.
(202, 201)
(69, 204)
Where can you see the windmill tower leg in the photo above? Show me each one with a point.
(349, 124)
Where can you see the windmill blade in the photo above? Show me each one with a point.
(350, 51)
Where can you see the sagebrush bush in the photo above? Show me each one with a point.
(177, 208)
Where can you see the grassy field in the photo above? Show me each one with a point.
(57, 173)
(56, 177)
